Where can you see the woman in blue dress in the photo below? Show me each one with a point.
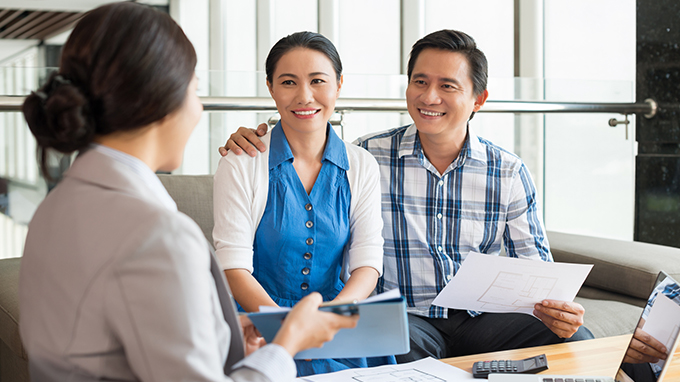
(305, 216)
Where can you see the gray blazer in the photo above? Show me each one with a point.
(115, 286)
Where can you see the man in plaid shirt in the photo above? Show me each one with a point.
(445, 193)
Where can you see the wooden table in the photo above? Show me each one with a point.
(593, 357)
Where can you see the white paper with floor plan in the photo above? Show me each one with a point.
(424, 370)
(499, 284)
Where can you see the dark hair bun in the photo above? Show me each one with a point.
(59, 116)
(124, 66)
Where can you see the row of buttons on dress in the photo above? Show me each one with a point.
(307, 255)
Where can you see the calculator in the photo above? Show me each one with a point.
(532, 365)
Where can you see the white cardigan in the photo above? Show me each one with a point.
(240, 194)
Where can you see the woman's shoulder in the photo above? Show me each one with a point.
(358, 157)
(163, 233)
(153, 221)
(243, 166)
(99, 227)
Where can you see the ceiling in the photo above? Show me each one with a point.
(21, 24)
(42, 19)
(54, 5)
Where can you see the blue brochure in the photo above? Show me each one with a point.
(382, 329)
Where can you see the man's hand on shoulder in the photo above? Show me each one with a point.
(561, 317)
(246, 139)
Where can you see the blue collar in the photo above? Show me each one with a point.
(279, 149)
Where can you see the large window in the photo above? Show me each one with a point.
(576, 51)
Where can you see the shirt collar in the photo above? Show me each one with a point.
(472, 148)
(279, 150)
(409, 144)
(335, 151)
(140, 168)
(475, 148)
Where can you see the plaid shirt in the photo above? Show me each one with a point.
(432, 221)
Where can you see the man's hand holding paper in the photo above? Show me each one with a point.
(497, 284)
(561, 317)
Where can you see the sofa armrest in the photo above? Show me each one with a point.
(625, 267)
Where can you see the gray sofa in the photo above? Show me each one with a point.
(613, 294)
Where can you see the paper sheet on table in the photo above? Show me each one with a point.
(663, 322)
(425, 369)
(498, 284)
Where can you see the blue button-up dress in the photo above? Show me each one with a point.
(299, 242)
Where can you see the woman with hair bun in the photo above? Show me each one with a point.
(115, 283)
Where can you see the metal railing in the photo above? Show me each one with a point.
(345, 105)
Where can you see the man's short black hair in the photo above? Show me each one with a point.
(455, 41)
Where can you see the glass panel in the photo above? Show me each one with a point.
(589, 57)
(590, 40)
(589, 166)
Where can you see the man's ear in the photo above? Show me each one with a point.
(481, 99)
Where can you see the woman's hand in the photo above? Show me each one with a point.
(247, 290)
(361, 283)
(645, 348)
(251, 336)
(245, 139)
(307, 327)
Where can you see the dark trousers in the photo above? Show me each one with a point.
(461, 334)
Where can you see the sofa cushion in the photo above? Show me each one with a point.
(194, 196)
(626, 267)
(609, 318)
(600, 294)
(9, 306)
